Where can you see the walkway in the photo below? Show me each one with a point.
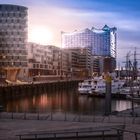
(14, 124)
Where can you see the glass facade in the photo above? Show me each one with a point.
(13, 36)
(102, 41)
(77, 39)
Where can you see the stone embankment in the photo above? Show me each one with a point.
(35, 88)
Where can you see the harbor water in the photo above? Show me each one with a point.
(64, 101)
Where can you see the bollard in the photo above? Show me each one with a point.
(103, 135)
(118, 135)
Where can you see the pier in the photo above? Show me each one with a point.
(36, 88)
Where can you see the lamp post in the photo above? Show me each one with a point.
(108, 95)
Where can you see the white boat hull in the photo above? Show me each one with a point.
(84, 91)
(98, 85)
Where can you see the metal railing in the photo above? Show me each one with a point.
(102, 133)
(64, 116)
(120, 131)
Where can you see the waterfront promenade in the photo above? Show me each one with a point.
(12, 124)
(10, 127)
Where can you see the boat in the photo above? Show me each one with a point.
(85, 87)
(131, 92)
(97, 85)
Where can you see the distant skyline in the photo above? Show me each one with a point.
(50, 17)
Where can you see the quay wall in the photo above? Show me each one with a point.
(35, 88)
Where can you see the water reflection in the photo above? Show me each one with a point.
(64, 101)
(120, 105)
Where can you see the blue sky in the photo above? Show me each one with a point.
(70, 15)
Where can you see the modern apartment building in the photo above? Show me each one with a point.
(46, 61)
(103, 64)
(80, 62)
(13, 38)
(39, 60)
(60, 62)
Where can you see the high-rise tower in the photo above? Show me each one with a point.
(101, 41)
(13, 38)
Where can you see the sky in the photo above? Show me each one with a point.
(47, 18)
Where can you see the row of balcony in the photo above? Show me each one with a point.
(13, 64)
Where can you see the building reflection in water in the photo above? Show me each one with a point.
(122, 105)
(68, 101)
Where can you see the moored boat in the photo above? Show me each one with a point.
(97, 85)
(85, 87)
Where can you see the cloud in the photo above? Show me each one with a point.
(58, 19)
(70, 15)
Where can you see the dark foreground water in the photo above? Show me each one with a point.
(68, 101)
